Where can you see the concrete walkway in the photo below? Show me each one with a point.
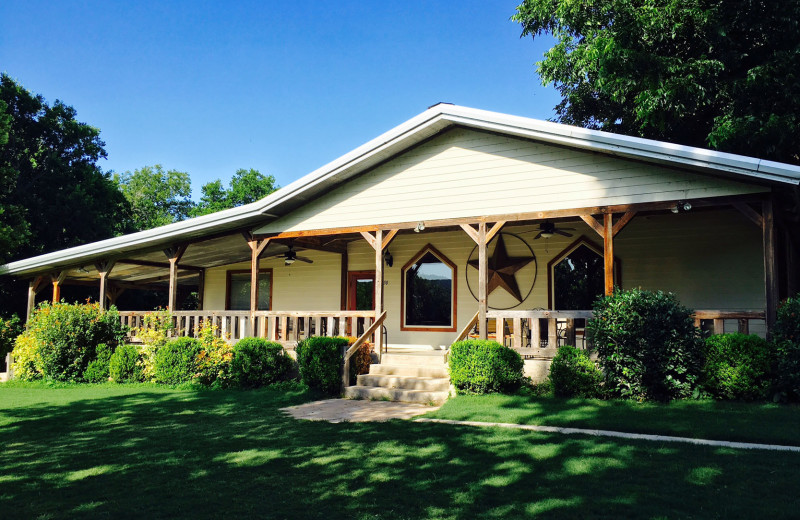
(351, 410)
(622, 435)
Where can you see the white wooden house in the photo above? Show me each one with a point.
(459, 218)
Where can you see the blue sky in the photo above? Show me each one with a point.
(283, 87)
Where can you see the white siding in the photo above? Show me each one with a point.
(465, 173)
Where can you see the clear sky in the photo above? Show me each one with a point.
(283, 87)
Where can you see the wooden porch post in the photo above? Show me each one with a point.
(174, 255)
(256, 248)
(57, 281)
(379, 288)
(34, 288)
(201, 288)
(770, 274)
(483, 275)
(104, 269)
(608, 252)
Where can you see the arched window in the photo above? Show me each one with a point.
(577, 276)
(429, 292)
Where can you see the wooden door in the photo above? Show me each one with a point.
(360, 290)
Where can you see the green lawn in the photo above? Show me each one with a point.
(147, 452)
(704, 419)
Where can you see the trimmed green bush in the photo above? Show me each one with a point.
(482, 366)
(319, 359)
(257, 362)
(176, 361)
(737, 366)
(573, 374)
(97, 370)
(648, 346)
(125, 365)
(66, 337)
(786, 337)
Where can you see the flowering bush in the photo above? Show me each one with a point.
(27, 364)
(213, 361)
(66, 336)
(9, 330)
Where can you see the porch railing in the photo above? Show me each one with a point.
(540, 332)
(286, 327)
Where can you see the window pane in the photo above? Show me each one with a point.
(429, 293)
(579, 280)
(240, 292)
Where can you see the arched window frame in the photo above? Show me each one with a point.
(581, 241)
(453, 308)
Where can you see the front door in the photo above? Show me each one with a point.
(360, 290)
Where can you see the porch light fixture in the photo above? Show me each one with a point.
(545, 234)
(388, 258)
(420, 227)
(682, 205)
(290, 257)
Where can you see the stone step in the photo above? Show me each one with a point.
(433, 358)
(394, 394)
(409, 370)
(434, 384)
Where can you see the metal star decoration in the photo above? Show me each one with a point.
(503, 268)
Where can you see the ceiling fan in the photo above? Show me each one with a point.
(290, 256)
(548, 229)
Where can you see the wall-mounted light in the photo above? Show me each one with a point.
(388, 258)
(682, 205)
(420, 227)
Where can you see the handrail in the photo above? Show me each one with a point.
(355, 346)
(468, 327)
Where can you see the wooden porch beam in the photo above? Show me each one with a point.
(770, 269)
(746, 210)
(369, 237)
(608, 253)
(34, 287)
(495, 230)
(594, 224)
(388, 238)
(160, 265)
(623, 221)
(471, 232)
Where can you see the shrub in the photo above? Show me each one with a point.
(176, 362)
(648, 346)
(125, 365)
(9, 330)
(66, 337)
(737, 366)
(481, 366)
(573, 374)
(27, 364)
(257, 362)
(97, 370)
(319, 359)
(786, 336)
(214, 359)
(361, 359)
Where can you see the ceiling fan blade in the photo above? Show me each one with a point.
(304, 259)
(279, 255)
(562, 232)
(567, 228)
(537, 237)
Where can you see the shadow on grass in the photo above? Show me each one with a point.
(182, 454)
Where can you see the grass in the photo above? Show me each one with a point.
(701, 419)
(142, 451)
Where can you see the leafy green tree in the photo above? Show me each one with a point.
(156, 197)
(709, 73)
(53, 194)
(245, 186)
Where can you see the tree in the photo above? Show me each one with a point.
(245, 186)
(709, 73)
(53, 194)
(156, 197)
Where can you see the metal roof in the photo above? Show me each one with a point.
(427, 124)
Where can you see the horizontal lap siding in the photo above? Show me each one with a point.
(466, 173)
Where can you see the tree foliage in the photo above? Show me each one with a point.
(245, 186)
(718, 73)
(157, 197)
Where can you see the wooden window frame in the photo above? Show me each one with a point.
(428, 248)
(247, 271)
(580, 241)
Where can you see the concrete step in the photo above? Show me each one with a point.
(432, 358)
(433, 384)
(436, 370)
(394, 394)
